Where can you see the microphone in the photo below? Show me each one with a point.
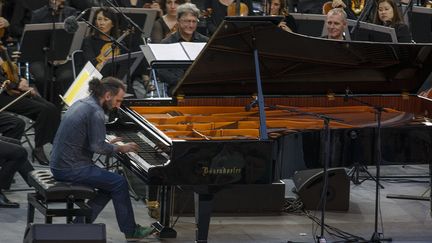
(251, 105)
(346, 96)
(71, 22)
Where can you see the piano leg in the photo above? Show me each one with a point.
(163, 225)
(203, 209)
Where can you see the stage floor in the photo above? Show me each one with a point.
(402, 220)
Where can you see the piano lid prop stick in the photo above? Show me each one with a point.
(200, 134)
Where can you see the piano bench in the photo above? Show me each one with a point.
(48, 192)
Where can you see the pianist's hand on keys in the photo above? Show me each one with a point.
(122, 147)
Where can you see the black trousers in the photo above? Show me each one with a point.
(45, 115)
(13, 158)
(63, 79)
(11, 126)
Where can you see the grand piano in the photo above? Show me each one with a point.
(251, 106)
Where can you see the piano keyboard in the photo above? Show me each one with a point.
(148, 155)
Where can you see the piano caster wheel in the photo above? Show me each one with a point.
(153, 209)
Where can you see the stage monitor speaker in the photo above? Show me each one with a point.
(65, 233)
(309, 185)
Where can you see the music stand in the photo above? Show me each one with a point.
(79, 87)
(175, 55)
(144, 16)
(421, 24)
(40, 35)
(310, 24)
(372, 32)
(122, 65)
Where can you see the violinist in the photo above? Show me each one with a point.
(167, 24)
(388, 14)
(45, 115)
(219, 9)
(278, 7)
(97, 48)
(54, 11)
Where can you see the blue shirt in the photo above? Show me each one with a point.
(81, 134)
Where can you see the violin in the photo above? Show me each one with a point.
(237, 8)
(10, 70)
(357, 6)
(107, 51)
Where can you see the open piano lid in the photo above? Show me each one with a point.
(293, 64)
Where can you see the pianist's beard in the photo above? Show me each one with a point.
(107, 106)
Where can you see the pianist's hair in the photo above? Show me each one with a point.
(187, 8)
(98, 87)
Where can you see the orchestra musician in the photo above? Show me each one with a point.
(336, 22)
(388, 14)
(219, 9)
(354, 8)
(187, 21)
(57, 11)
(81, 134)
(45, 115)
(167, 24)
(278, 7)
(13, 157)
(97, 48)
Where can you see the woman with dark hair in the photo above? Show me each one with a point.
(97, 44)
(278, 7)
(388, 14)
(167, 24)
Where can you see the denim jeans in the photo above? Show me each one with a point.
(110, 186)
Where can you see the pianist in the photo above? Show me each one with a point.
(81, 134)
(187, 21)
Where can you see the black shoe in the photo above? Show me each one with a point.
(39, 155)
(5, 203)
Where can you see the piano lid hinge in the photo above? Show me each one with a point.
(405, 95)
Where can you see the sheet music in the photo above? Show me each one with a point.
(193, 49)
(168, 52)
(79, 88)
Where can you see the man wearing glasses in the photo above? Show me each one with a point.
(187, 21)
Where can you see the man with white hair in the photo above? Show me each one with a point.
(336, 23)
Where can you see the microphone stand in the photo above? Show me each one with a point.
(376, 236)
(326, 119)
(49, 51)
(134, 26)
(363, 16)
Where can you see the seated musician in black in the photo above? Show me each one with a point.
(278, 7)
(219, 9)
(354, 8)
(187, 20)
(57, 11)
(95, 45)
(388, 14)
(336, 22)
(45, 115)
(13, 157)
